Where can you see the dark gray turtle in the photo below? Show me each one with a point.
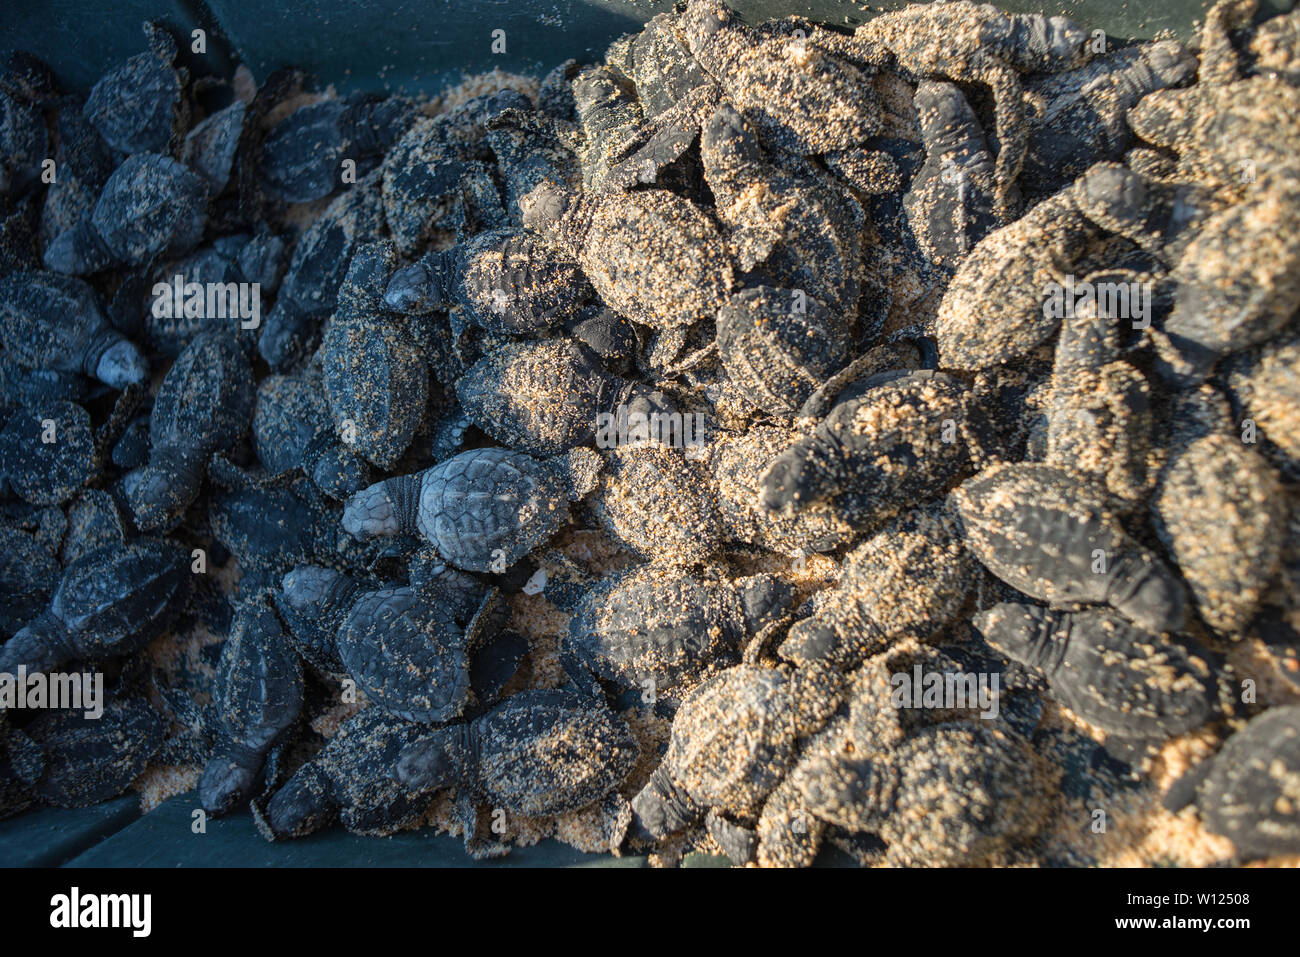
(94, 520)
(376, 378)
(203, 406)
(151, 206)
(653, 256)
(799, 97)
(659, 504)
(530, 148)
(89, 760)
(611, 121)
(1250, 794)
(269, 530)
(212, 146)
(537, 754)
(662, 629)
(1121, 678)
(1220, 511)
(550, 396)
(1080, 116)
(54, 322)
(239, 259)
(734, 739)
(950, 795)
(110, 602)
(303, 155)
(47, 452)
(964, 41)
(319, 265)
(908, 580)
(950, 204)
(292, 429)
(738, 462)
(779, 345)
(28, 573)
(139, 106)
(314, 601)
(349, 780)
(504, 281)
(406, 654)
(483, 509)
(1045, 532)
(905, 439)
(258, 694)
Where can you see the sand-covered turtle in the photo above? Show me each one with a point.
(1113, 674)
(203, 406)
(139, 106)
(47, 452)
(505, 281)
(659, 629)
(151, 206)
(908, 580)
(483, 509)
(523, 757)
(653, 256)
(258, 694)
(110, 602)
(376, 378)
(303, 154)
(734, 739)
(84, 760)
(546, 397)
(54, 322)
(212, 147)
(1052, 536)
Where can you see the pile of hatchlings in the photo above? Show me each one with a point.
(606, 447)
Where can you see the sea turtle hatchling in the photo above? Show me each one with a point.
(659, 629)
(151, 206)
(483, 509)
(1124, 680)
(140, 106)
(54, 322)
(110, 602)
(203, 406)
(258, 694)
(1049, 534)
(547, 397)
(505, 281)
(524, 758)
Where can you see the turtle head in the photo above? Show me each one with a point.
(427, 764)
(417, 288)
(307, 587)
(303, 805)
(1021, 632)
(763, 598)
(727, 137)
(545, 207)
(225, 782)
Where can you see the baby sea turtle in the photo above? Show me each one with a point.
(734, 739)
(800, 98)
(1053, 537)
(319, 265)
(292, 429)
(653, 256)
(313, 601)
(203, 406)
(1126, 681)
(523, 757)
(905, 439)
(87, 760)
(504, 281)
(349, 781)
(54, 322)
(151, 206)
(1080, 116)
(908, 580)
(303, 155)
(950, 205)
(139, 106)
(271, 529)
(964, 41)
(1249, 793)
(376, 378)
(110, 602)
(258, 694)
(47, 452)
(658, 629)
(483, 509)
(547, 397)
